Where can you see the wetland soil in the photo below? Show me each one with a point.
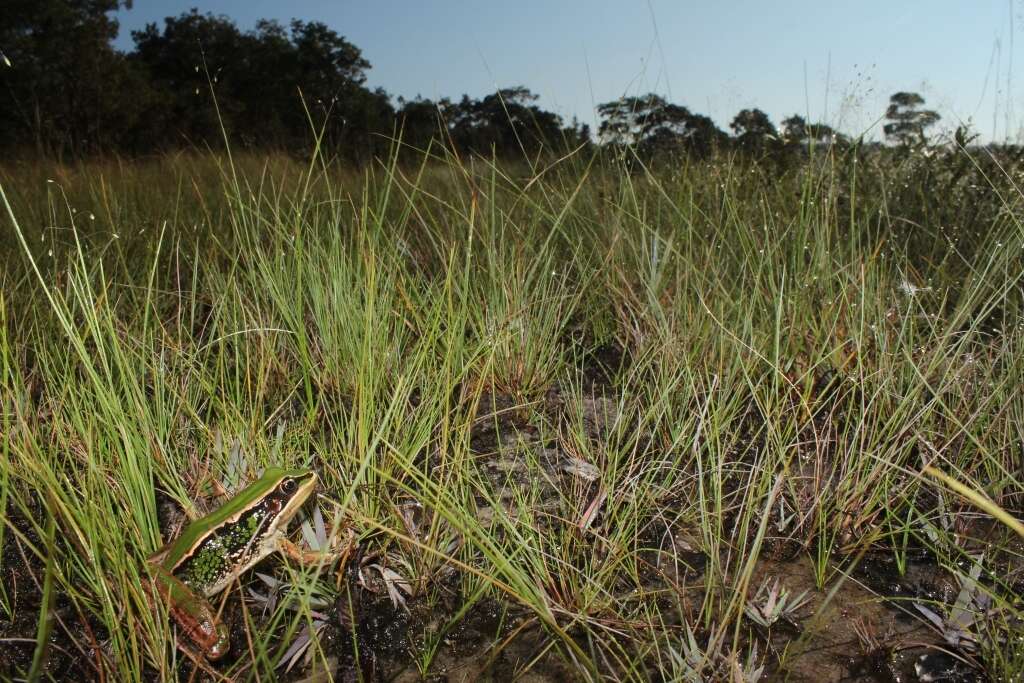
(861, 626)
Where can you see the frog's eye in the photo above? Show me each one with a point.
(288, 487)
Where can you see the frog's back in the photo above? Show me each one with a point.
(229, 540)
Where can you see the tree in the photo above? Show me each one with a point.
(191, 53)
(666, 127)
(419, 121)
(753, 129)
(632, 120)
(651, 124)
(703, 136)
(907, 121)
(796, 130)
(258, 78)
(66, 89)
(507, 122)
(330, 72)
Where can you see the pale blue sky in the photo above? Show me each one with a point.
(836, 61)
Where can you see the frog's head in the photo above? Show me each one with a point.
(284, 493)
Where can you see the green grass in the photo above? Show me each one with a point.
(597, 400)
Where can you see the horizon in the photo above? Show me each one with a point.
(843, 79)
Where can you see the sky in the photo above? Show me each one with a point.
(834, 62)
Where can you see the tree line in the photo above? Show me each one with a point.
(200, 81)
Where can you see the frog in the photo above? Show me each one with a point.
(212, 551)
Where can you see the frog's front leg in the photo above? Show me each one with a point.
(317, 557)
(192, 612)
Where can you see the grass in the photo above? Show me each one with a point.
(591, 402)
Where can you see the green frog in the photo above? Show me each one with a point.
(212, 551)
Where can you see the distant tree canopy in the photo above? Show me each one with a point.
(652, 124)
(258, 78)
(506, 122)
(65, 84)
(753, 129)
(68, 91)
(907, 122)
(796, 130)
(198, 80)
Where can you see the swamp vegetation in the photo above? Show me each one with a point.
(585, 419)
